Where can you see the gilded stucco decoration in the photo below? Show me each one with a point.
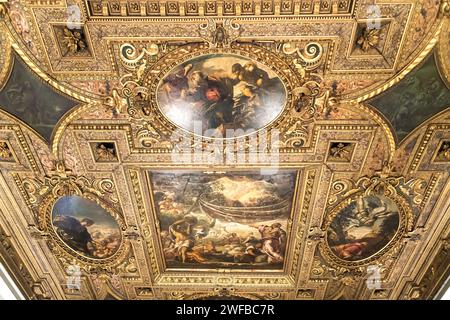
(322, 191)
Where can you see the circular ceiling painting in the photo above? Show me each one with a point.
(363, 227)
(86, 227)
(221, 95)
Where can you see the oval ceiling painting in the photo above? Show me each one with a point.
(86, 227)
(221, 95)
(363, 227)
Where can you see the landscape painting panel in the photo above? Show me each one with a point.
(219, 92)
(86, 227)
(363, 227)
(230, 220)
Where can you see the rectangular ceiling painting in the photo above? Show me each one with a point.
(235, 220)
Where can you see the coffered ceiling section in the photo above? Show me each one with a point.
(77, 42)
(219, 8)
(239, 149)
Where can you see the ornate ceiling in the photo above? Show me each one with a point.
(276, 149)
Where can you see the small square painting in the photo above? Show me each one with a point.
(104, 151)
(340, 152)
(443, 152)
(6, 153)
(72, 41)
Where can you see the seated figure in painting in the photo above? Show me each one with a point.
(246, 106)
(75, 232)
(255, 87)
(273, 240)
(176, 84)
(211, 97)
(350, 250)
(250, 74)
(253, 251)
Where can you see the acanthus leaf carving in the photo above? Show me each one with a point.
(63, 183)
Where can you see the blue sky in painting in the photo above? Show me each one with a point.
(80, 208)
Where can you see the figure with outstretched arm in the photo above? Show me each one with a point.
(183, 234)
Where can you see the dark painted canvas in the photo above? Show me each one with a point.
(363, 227)
(31, 100)
(416, 98)
(86, 227)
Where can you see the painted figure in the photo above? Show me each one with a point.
(75, 232)
(182, 232)
(272, 238)
(86, 227)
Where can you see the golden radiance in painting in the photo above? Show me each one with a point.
(213, 93)
(363, 227)
(232, 220)
(86, 227)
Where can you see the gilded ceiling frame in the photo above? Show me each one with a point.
(198, 278)
(404, 72)
(168, 281)
(86, 99)
(41, 196)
